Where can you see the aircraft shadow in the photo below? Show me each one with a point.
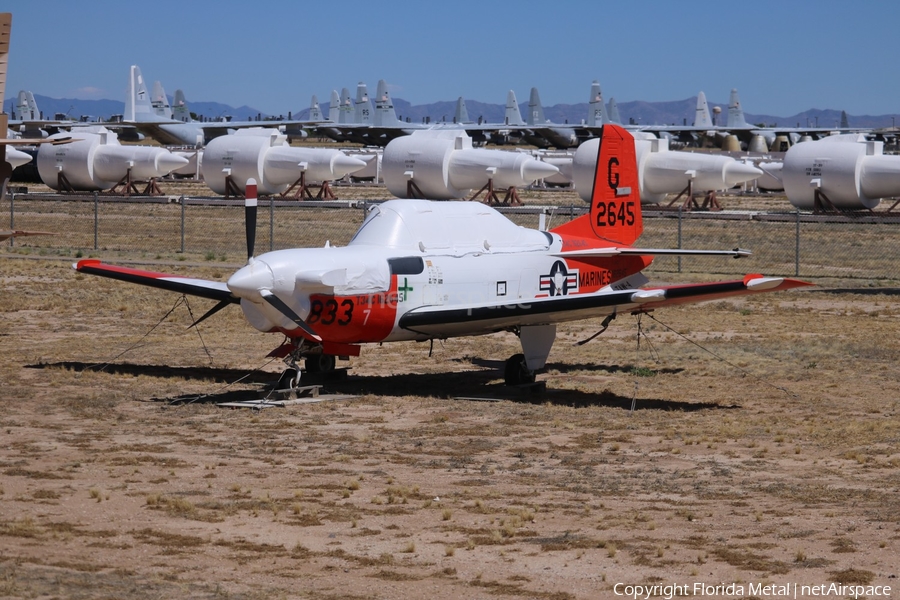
(484, 386)
(572, 367)
(862, 291)
(218, 375)
(479, 385)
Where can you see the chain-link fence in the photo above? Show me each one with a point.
(858, 251)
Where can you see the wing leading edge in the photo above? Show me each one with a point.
(434, 319)
(214, 290)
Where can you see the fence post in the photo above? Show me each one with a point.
(679, 238)
(271, 223)
(12, 217)
(183, 202)
(96, 221)
(797, 246)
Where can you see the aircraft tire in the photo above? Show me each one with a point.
(288, 380)
(320, 363)
(516, 372)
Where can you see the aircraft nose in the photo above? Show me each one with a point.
(739, 172)
(250, 280)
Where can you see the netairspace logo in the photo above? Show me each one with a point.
(768, 590)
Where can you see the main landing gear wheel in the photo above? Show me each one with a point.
(320, 363)
(516, 371)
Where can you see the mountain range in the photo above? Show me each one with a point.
(677, 112)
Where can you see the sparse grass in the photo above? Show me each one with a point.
(745, 492)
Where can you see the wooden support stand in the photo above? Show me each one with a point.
(412, 191)
(62, 183)
(304, 189)
(511, 198)
(822, 204)
(231, 188)
(710, 202)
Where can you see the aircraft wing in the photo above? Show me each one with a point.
(34, 141)
(214, 290)
(5, 234)
(438, 320)
(627, 250)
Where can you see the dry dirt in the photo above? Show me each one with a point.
(762, 448)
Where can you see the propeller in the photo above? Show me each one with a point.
(250, 202)
(290, 314)
(256, 278)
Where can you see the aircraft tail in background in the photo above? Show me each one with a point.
(512, 116)
(180, 111)
(462, 113)
(362, 108)
(596, 109)
(613, 112)
(20, 110)
(138, 107)
(385, 115)
(345, 108)
(735, 112)
(315, 111)
(160, 102)
(701, 116)
(535, 110)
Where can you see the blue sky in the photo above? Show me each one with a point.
(783, 56)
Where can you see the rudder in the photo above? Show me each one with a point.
(615, 214)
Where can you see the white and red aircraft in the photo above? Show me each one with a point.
(419, 270)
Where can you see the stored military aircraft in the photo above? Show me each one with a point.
(28, 122)
(357, 121)
(420, 270)
(543, 133)
(151, 117)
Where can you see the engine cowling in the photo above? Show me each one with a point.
(96, 161)
(850, 171)
(264, 155)
(444, 165)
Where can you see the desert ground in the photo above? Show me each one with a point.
(743, 443)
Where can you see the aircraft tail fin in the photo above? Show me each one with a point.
(345, 108)
(701, 116)
(462, 113)
(334, 107)
(535, 110)
(615, 201)
(362, 108)
(20, 108)
(596, 109)
(613, 112)
(315, 111)
(845, 123)
(180, 111)
(33, 111)
(512, 115)
(385, 114)
(137, 102)
(735, 111)
(160, 102)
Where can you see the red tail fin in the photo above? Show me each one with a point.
(615, 201)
